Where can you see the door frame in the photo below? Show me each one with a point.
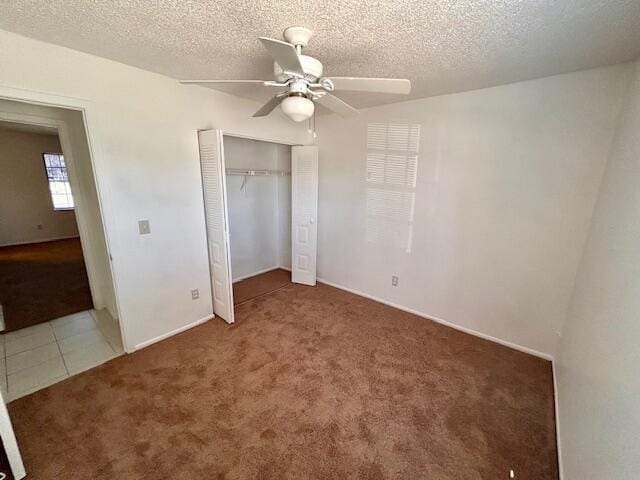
(85, 107)
(239, 134)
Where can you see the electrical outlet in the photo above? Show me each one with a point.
(394, 281)
(195, 294)
(143, 227)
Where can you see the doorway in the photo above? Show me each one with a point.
(42, 270)
(260, 207)
(258, 185)
(58, 301)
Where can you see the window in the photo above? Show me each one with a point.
(392, 169)
(58, 181)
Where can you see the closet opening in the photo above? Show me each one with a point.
(261, 204)
(258, 185)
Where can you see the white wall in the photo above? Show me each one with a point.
(25, 200)
(599, 360)
(94, 241)
(142, 129)
(506, 181)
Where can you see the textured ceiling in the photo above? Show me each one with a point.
(442, 46)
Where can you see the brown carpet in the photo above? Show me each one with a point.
(260, 284)
(42, 281)
(310, 382)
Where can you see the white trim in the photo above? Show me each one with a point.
(41, 240)
(447, 323)
(259, 272)
(556, 405)
(281, 267)
(227, 133)
(164, 336)
(10, 443)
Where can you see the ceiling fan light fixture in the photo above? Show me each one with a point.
(297, 108)
(303, 78)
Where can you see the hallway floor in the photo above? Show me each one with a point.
(35, 357)
(41, 282)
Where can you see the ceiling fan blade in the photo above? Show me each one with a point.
(401, 86)
(336, 105)
(268, 107)
(222, 82)
(284, 54)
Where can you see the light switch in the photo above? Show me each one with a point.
(143, 227)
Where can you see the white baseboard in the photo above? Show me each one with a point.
(164, 336)
(244, 277)
(556, 404)
(41, 240)
(447, 323)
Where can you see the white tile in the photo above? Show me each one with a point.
(80, 341)
(73, 327)
(15, 345)
(34, 378)
(70, 318)
(90, 356)
(25, 332)
(31, 358)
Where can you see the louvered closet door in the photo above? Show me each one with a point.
(215, 201)
(304, 211)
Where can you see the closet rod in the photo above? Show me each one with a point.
(251, 172)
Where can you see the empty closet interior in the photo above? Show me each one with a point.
(258, 185)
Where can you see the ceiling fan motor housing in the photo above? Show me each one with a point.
(311, 67)
(298, 36)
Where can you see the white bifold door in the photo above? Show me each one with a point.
(215, 201)
(304, 211)
(304, 208)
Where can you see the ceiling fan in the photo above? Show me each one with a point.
(300, 78)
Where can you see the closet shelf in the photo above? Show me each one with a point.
(250, 172)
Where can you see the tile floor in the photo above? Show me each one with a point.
(36, 357)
